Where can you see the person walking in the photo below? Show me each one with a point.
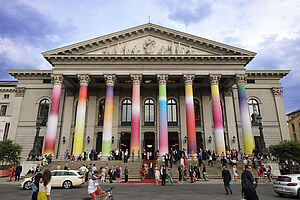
(18, 172)
(191, 172)
(126, 171)
(249, 184)
(45, 186)
(118, 174)
(163, 175)
(235, 173)
(157, 175)
(170, 179)
(10, 173)
(226, 180)
(179, 172)
(34, 185)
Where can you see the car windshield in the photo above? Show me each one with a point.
(284, 179)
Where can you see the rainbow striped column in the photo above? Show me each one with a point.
(244, 113)
(53, 116)
(190, 114)
(80, 115)
(108, 115)
(163, 120)
(135, 114)
(217, 114)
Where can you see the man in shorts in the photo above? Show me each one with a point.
(94, 188)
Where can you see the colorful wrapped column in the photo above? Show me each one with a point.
(80, 115)
(217, 114)
(190, 114)
(135, 114)
(244, 113)
(163, 120)
(108, 115)
(53, 116)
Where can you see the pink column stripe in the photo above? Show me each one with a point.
(135, 119)
(52, 121)
(218, 122)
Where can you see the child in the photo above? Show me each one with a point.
(103, 176)
(94, 188)
(35, 185)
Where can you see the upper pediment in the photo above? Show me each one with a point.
(149, 39)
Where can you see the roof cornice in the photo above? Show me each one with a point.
(264, 73)
(28, 73)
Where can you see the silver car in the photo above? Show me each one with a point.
(287, 185)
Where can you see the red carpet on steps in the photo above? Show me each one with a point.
(147, 181)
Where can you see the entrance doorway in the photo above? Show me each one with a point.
(41, 142)
(199, 140)
(99, 142)
(149, 143)
(173, 141)
(125, 141)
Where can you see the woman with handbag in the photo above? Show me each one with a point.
(45, 186)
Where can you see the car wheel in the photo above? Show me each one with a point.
(25, 186)
(67, 184)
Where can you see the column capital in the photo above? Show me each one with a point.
(214, 79)
(136, 79)
(57, 79)
(188, 79)
(241, 79)
(84, 79)
(20, 91)
(162, 78)
(110, 79)
(277, 91)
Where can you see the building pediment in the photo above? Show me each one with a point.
(147, 41)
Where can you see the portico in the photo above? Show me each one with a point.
(150, 87)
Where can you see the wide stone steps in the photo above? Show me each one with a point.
(134, 167)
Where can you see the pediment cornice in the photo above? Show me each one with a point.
(82, 48)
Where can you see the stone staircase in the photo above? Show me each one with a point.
(134, 167)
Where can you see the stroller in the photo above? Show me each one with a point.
(107, 196)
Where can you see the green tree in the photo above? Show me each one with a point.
(286, 151)
(10, 153)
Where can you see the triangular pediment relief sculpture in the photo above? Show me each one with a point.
(148, 39)
(149, 45)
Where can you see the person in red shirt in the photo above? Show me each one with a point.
(10, 173)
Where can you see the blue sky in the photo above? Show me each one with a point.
(270, 27)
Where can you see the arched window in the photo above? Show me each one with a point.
(43, 111)
(253, 110)
(197, 112)
(126, 112)
(149, 112)
(172, 112)
(101, 112)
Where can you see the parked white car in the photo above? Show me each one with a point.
(287, 185)
(60, 178)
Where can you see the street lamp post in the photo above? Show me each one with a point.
(35, 152)
(262, 150)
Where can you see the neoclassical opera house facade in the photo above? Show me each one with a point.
(146, 87)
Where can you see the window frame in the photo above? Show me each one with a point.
(2, 110)
(251, 109)
(45, 115)
(101, 103)
(148, 103)
(172, 103)
(126, 103)
(197, 103)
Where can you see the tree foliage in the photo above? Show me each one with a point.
(286, 151)
(10, 153)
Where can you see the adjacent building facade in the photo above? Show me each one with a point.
(147, 87)
(294, 125)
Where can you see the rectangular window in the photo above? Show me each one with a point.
(3, 110)
(6, 96)
(293, 127)
(250, 81)
(6, 129)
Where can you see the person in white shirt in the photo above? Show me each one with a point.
(93, 187)
(94, 168)
(45, 186)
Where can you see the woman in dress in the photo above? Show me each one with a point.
(170, 180)
(235, 173)
(45, 186)
(10, 173)
(157, 175)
